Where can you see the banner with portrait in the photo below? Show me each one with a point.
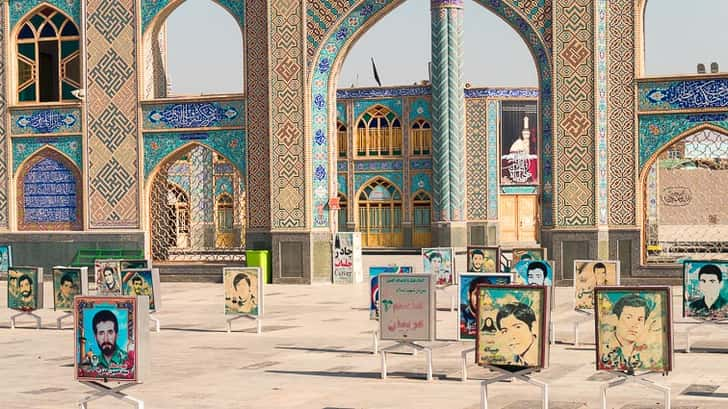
(705, 293)
(468, 299)
(483, 259)
(25, 288)
(589, 274)
(440, 262)
(519, 142)
(142, 281)
(633, 329)
(68, 282)
(6, 257)
(407, 307)
(512, 326)
(111, 338)
(243, 291)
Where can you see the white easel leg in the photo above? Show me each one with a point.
(464, 356)
(156, 321)
(102, 391)
(20, 314)
(59, 320)
(375, 341)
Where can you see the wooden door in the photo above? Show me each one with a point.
(527, 218)
(518, 218)
(508, 218)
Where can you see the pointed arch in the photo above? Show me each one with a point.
(421, 137)
(49, 192)
(48, 56)
(326, 64)
(379, 216)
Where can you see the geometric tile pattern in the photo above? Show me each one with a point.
(257, 112)
(456, 106)
(19, 8)
(601, 104)
(351, 20)
(477, 161)
(320, 17)
(656, 131)
(441, 114)
(621, 147)
(24, 148)
(4, 154)
(151, 8)
(112, 91)
(493, 159)
(287, 133)
(574, 84)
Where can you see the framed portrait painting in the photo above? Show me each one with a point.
(243, 291)
(107, 275)
(533, 272)
(25, 288)
(128, 264)
(468, 299)
(589, 274)
(142, 281)
(705, 293)
(68, 282)
(407, 307)
(538, 253)
(111, 338)
(483, 259)
(512, 326)
(6, 257)
(374, 273)
(440, 262)
(633, 329)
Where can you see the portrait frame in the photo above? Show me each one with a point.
(492, 252)
(464, 283)
(520, 272)
(228, 277)
(99, 267)
(150, 277)
(6, 257)
(447, 260)
(374, 272)
(605, 300)
(418, 282)
(529, 296)
(692, 291)
(536, 253)
(132, 315)
(15, 273)
(79, 277)
(134, 263)
(581, 264)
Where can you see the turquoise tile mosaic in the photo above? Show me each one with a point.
(150, 9)
(343, 187)
(45, 121)
(420, 108)
(209, 114)
(421, 181)
(394, 105)
(24, 148)
(686, 94)
(361, 178)
(230, 144)
(224, 184)
(19, 8)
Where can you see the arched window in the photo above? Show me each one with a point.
(380, 214)
(49, 60)
(49, 194)
(422, 206)
(421, 137)
(341, 138)
(224, 207)
(379, 133)
(342, 211)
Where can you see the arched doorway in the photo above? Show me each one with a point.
(379, 204)
(197, 207)
(683, 215)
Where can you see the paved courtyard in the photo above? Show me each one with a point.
(316, 352)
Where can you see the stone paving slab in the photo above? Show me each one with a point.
(315, 352)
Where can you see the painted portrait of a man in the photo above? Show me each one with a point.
(242, 291)
(706, 295)
(25, 288)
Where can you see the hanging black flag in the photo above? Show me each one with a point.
(376, 75)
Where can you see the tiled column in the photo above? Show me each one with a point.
(202, 229)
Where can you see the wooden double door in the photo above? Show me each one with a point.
(518, 218)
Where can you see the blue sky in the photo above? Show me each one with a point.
(679, 34)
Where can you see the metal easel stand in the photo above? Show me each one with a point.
(464, 356)
(103, 390)
(156, 322)
(588, 316)
(22, 313)
(59, 320)
(258, 321)
(375, 340)
(625, 378)
(522, 375)
(416, 347)
(697, 325)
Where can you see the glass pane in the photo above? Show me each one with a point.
(48, 31)
(68, 47)
(37, 21)
(69, 30)
(58, 19)
(27, 50)
(72, 70)
(26, 32)
(25, 73)
(67, 88)
(27, 94)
